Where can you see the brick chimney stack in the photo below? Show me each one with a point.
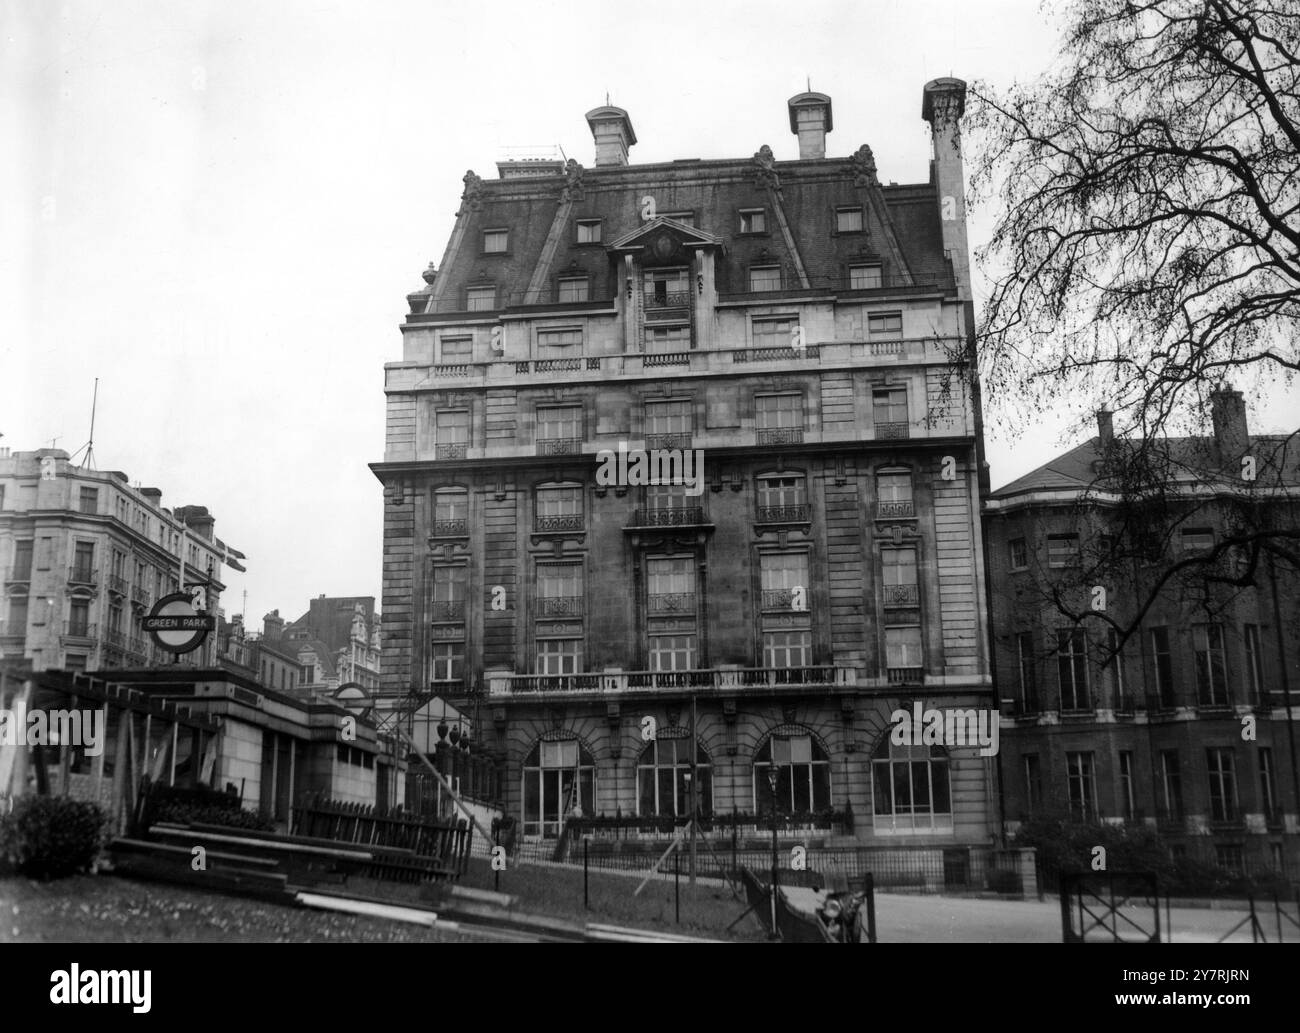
(612, 129)
(810, 120)
(943, 102)
(1228, 415)
(1105, 427)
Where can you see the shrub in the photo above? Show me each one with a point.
(178, 813)
(51, 837)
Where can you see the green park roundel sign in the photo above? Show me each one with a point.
(176, 624)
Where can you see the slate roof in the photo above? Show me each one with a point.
(901, 224)
(1192, 458)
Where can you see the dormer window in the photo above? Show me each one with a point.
(865, 276)
(765, 278)
(848, 220)
(574, 288)
(480, 299)
(753, 220)
(496, 242)
(588, 231)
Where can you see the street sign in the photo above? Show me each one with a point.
(176, 625)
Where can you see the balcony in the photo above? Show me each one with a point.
(667, 442)
(558, 522)
(888, 431)
(82, 575)
(555, 365)
(673, 307)
(559, 446)
(796, 514)
(452, 450)
(671, 603)
(20, 575)
(779, 435)
(780, 353)
(642, 682)
(13, 629)
(902, 596)
(676, 516)
(455, 527)
(783, 599)
(898, 510)
(117, 584)
(559, 606)
(140, 594)
(904, 675)
(447, 610)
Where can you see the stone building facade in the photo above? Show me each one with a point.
(801, 329)
(84, 554)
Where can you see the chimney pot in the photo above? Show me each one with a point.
(612, 130)
(810, 120)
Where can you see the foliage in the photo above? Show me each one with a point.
(51, 837)
(179, 813)
(1066, 846)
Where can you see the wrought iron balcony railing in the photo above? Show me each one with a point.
(451, 449)
(902, 595)
(558, 522)
(780, 435)
(455, 527)
(80, 629)
(671, 603)
(673, 299)
(796, 514)
(559, 446)
(559, 606)
(117, 583)
(82, 575)
(140, 594)
(675, 516)
(784, 599)
(447, 610)
(895, 510)
(680, 439)
(891, 430)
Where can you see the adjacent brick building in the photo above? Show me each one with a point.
(1176, 716)
(803, 324)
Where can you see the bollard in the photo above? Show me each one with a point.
(677, 885)
(586, 900)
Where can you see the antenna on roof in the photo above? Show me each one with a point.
(808, 80)
(89, 446)
(607, 98)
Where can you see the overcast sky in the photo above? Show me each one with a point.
(218, 208)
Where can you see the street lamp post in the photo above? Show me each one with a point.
(771, 782)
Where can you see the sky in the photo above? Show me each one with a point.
(217, 209)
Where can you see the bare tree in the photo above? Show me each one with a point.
(1148, 243)
(1147, 251)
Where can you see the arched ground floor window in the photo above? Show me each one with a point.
(912, 792)
(663, 779)
(558, 775)
(803, 775)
